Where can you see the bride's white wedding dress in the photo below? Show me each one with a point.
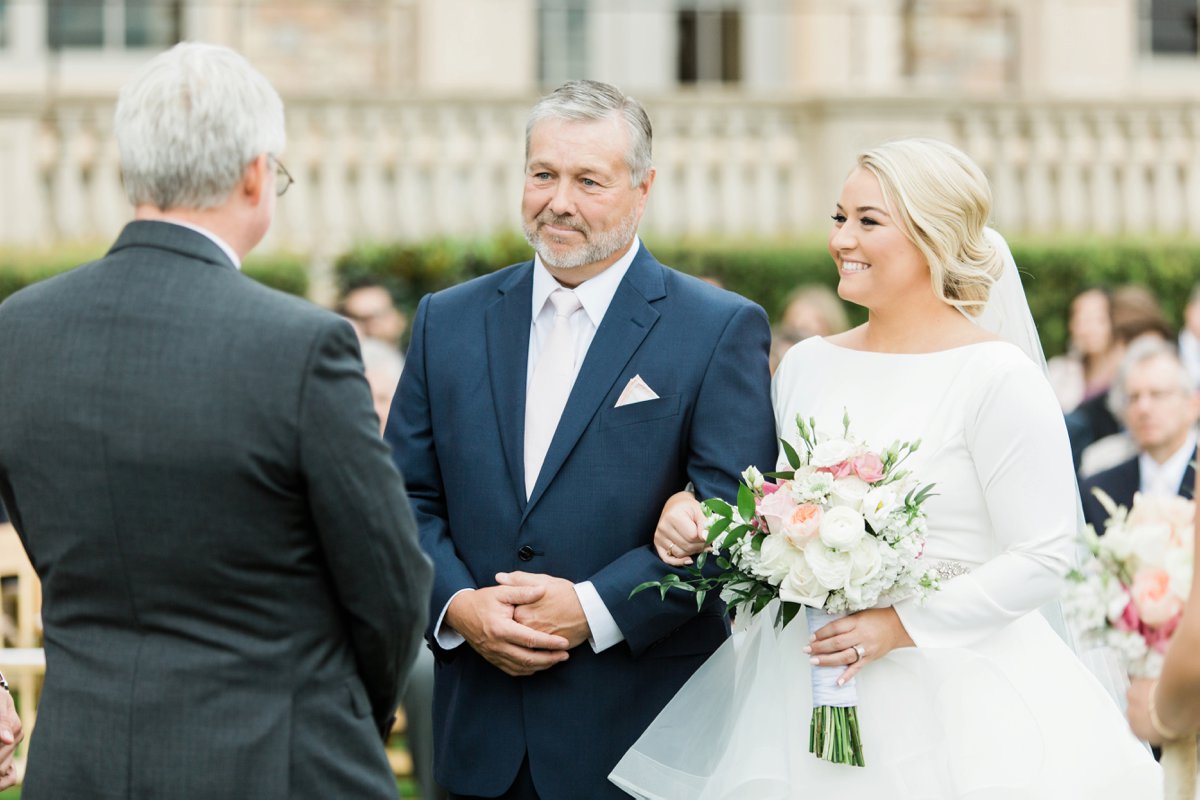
(991, 703)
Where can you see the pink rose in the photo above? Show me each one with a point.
(1158, 638)
(771, 488)
(1128, 621)
(1151, 592)
(775, 508)
(869, 467)
(839, 470)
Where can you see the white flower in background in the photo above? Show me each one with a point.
(878, 504)
(842, 527)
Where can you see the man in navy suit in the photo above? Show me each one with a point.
(1160, 408)
(547, 670)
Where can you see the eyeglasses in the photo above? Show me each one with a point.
(283, 178)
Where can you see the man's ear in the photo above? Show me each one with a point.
(255, 179)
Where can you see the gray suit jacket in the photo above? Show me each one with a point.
(233, 591)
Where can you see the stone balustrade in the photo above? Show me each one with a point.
(727, 166)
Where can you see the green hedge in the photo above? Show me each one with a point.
(18, 269)
(1053, 270)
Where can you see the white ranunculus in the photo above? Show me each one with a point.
(775, 558)
(865, 560)
(832, 452)
(1178, 564)
(801, 586)
(830, 567)
(849, 491)
(842, 527)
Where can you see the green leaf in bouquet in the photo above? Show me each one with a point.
(723, 562)
(846, 422)
(701, 560)
(757, 541)
(717, 528)
(745, 502)
(785, 475)
(718, 506)
(790, 452)
(641, 587)
(787, 613)
(700, 595)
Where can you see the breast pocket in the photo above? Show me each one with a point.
(640, 412)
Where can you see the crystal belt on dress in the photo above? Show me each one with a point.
(950, 569)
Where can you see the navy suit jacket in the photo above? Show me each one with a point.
(1121, 483)
(457, 429)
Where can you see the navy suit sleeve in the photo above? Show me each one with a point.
(366, 530)
(732, 427)
(409, 432)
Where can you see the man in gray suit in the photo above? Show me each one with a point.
(233, 591)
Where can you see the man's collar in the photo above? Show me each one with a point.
(217, 240)
(1175, 465)
(595, 294)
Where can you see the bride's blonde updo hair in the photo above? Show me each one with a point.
(942, 201)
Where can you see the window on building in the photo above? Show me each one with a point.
(710, 45)
(1170, 27)
(563, 41)
(113, 23)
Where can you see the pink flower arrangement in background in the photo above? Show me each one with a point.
(1130, 595)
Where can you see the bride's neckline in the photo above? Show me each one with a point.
(988, 342)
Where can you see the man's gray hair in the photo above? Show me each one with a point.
(188, 124)
(589, 101)
(1140, 351)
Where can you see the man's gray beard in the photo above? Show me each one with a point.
(597, 247)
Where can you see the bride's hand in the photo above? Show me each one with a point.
(876, 632)
(680, 531)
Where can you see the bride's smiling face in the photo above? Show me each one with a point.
(878, 264)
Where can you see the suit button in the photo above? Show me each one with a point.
(525, 553)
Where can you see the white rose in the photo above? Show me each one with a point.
(801, 586)
(832, 452)
(842, 527)
(1150, 542)
(775, 558)
(1118, 542)
(1178, 565)
(830, 567)
(849, 491)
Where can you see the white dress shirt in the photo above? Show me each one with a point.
(595, 295)
(212, 237)
(1164, 478)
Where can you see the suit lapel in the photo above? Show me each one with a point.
(629, 318)
(1188, 487)
(507, 322)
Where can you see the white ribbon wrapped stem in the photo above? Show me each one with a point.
(825, 689)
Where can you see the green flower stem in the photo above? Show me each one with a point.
(834, 736)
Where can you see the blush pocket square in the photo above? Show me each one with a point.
(636, 391)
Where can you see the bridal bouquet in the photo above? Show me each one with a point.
(1130, 595)
(842, 531)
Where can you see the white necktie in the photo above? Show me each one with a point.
(553, 377)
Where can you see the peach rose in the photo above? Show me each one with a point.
(803, 524)
(1156, 603)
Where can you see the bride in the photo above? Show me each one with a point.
(970, 694)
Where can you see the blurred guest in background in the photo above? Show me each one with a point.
(373, 311)
(1136, 313)
(1155, 396)
(1087, 368)
(813, 309)
(1189, 337)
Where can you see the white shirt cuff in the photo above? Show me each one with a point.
(446, 637)
(605, 632)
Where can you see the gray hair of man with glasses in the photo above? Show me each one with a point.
(590, 101)
(188, 124)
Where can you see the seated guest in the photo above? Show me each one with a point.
(1154, 394)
